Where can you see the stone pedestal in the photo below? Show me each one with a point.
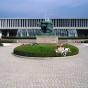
(47, 39)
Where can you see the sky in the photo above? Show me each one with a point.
(43, 8)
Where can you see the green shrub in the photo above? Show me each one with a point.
(74, 50)
(7, 41)
(72, 38)
(42, 50)
(86, 41)
(13, 37)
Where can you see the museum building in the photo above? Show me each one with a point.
(31, 27)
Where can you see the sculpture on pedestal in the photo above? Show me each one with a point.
(47, 33)
(47, 27)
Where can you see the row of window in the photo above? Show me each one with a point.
(70, 22)
(36, 22)
(20, 23)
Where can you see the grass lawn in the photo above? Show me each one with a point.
(43, 50)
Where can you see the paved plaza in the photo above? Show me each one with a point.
(59, 72)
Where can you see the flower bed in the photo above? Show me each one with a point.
(43, 50)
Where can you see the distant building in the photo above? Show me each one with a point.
(31, 27)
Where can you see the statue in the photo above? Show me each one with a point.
(47, 27)
(47, 34)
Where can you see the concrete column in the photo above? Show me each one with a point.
(26, 23)
(27, 33)
(58, 31)
(21, 35)
(0, 34)
(22, 23)
(19, 22)
(7, 34)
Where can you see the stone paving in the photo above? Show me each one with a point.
(60, 72)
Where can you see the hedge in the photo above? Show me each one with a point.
(13, 37)
(6, 41)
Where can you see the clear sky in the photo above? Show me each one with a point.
(43, 8)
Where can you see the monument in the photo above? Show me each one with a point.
(47, 27)
(47, 34)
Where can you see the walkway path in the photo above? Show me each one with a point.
(65, 72)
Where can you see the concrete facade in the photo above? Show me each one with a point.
(62, 27)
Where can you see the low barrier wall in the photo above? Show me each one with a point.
(59, 40)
